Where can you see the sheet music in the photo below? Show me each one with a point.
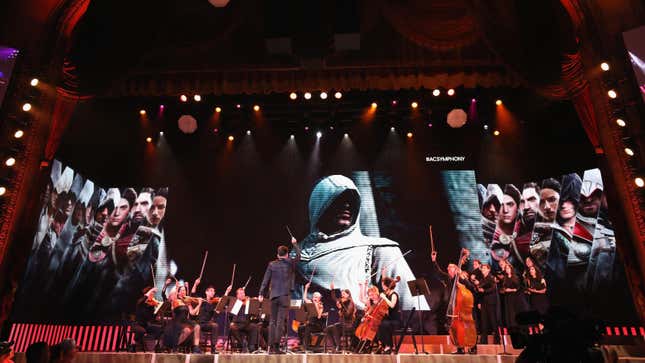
(236, 307)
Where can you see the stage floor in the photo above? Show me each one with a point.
(290, 358)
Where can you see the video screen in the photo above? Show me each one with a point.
(94, 250)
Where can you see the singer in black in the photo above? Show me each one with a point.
(487, 288)
(279, 279)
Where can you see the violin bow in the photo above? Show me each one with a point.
(431, 239)
(247, 282)
(288, 230)
(203, 265)
(391, 263)
(233, 276)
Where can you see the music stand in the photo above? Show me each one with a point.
(419, 287)
(222, 304)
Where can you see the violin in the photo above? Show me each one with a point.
(151, 301)
(463, 332)
(368, 327)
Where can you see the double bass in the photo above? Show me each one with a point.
(462, 329)
(367, 329)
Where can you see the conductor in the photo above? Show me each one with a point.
(278, 278)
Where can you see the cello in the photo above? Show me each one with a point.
(462, 330)
(367, 329)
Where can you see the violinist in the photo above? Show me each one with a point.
(392, 319)
(181, 327)
(206, 308)
(241, 320)
(347, 313)
(315, 324)
(144, 315)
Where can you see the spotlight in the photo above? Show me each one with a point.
(498, 102)
(197, 98)
(338, 95)
(148, 139)
(414, 104)
(485, 127)
(331, 127)
(160, 133)
(436, 92)
(620, 122)
(256, 108)
(293, 95)
(430, 125)
(218, 109)
(451, 92)
(307, 96)
(374, 105)
(323, 95)
(639, 182)
(394, 102)
(604, 66)
(142, 112)
(629, 151)
(34, 82)
(496, 133)
(346, 135)
(183, 98)
(26, 107)
(392, 129)
(248, 132)
(409, 135)
(292, 136)
(216, 130)
(18, 134)
(612, 94)
(3, 190)
(306, 128)
(231, 138)
(319, 134)
(473, 100)
(10, 162)
(238, 106)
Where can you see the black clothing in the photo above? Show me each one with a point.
(514, 302)
(538, 302)
(390, 322)
(206, 312)
(489, 308)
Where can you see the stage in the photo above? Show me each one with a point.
(290, 358)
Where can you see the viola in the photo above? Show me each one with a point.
(374, 315)
(462, 329)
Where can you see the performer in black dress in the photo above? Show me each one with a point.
(536, 288)
(392, 320)
(181, 327)
(144, 315)
(487, 288)
(514, 301)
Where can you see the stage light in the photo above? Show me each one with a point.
(392, 129)
(142, 112)
(248, 132)
(3, 190)
(218, 109)
(238, 106)
(293, 95)
(231, 138)
(629, 151)
(338, 95)
(161, 107)
(26, 107)
(496, 133)
(292, 136)
(620, 122)
(34, 82)
(331, 127)
(319, 134)
(639, 182)
(323, 95)
(414, 105)
(612, 94)
(409, 135)
(216, 130)
(473, 100)
(307, 96)
(18, 134)
(430, 125)
(306, 128)
(10, 162)
(256, 108)
(394, 102)
(346, 135)
(604, 66)
(374, 105)
(148, 139)
(197, 98)
(183, 98)
(160, 133)
(498, 102)
(451, 92)
(436, 92)
(485, 127)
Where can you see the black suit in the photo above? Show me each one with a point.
(489, 315)
(279, 278)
